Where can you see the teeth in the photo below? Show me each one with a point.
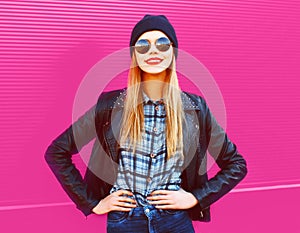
(152, 60)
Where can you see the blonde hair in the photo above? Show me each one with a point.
(133, 115)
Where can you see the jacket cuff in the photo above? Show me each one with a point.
(199, 194)
(87, 210)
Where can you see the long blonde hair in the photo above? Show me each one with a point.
(133, 115)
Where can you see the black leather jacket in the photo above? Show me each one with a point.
(201, 134)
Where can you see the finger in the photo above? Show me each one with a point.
(162, 191)
(124, 192)
(161, 202)
(117, 208)
(165, 207)
(125, 204)
(158, 197)
(126, 199)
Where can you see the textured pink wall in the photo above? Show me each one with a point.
(250, 47)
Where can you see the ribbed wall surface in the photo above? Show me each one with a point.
(46, 48)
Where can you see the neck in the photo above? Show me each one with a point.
(153, 84)
(159, 76)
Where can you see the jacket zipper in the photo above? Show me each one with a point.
(201, 214)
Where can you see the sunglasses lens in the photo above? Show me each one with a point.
(163, 44)
(142, 46)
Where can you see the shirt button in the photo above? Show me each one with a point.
(147, 211)
(152, 155)
(149, 179)
(155, 129)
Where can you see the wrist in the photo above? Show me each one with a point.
(193, 199)
(97, 207)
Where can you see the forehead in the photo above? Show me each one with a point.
(152, 35)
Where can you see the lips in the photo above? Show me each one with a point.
(153, 61)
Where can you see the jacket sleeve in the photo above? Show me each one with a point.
(59, 158)
(232, 165)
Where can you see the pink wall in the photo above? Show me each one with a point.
(251, 48)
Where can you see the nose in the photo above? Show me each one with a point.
(153, 49)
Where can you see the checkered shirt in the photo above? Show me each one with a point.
(148, 169)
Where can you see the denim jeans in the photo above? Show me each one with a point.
(148, 219)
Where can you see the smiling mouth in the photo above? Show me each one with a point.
(153, 61)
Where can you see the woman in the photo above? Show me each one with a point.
(148, 165)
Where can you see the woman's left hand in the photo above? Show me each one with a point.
(167, 199)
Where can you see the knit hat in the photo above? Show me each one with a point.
(153, 22)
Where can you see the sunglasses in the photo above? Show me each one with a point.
(143, 46)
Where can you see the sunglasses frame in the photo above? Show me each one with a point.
(148, 46)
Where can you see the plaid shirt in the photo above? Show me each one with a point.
(148, 169)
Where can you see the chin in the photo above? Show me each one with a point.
(153, 69)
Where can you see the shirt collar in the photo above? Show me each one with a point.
(146, 99)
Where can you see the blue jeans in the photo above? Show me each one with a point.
(148, 219)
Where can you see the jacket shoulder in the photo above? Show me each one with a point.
(197, 100)
(107, 99)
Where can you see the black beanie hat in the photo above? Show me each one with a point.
(153, 22)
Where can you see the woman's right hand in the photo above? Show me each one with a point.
(115, 201)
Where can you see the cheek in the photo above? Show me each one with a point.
(139, 58)
(168, 59)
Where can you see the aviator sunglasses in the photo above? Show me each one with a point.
(142, 46)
